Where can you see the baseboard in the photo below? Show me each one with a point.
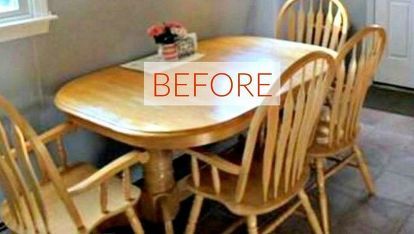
(393, 87)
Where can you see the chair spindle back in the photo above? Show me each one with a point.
(357, 60)
(318, 22)
(287, 129)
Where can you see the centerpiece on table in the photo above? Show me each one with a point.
(173, 40)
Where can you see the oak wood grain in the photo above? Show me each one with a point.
(264, 176)
(110, 101)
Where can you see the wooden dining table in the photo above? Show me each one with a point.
(110, 102)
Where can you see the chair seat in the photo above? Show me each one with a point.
(252, 202)
(320, 147)
(322, 151)
(88, 203)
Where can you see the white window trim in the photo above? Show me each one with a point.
(35, 23)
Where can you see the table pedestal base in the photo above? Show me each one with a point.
(160, 198)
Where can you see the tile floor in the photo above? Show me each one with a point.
(388, 142)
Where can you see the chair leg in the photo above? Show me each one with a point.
(252, 224)
(195, 212)
(310, 213)
(323, 199)
(363, 168)
(168, 225)
(134, 221)
(169, 228)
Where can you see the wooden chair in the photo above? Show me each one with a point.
(318, 22)
(42, 198)
(339, 123)
(265, 177)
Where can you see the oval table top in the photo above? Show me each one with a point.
(110, 101)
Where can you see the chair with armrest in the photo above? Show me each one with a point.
(318, 22)
(41, 197)
(266, 177)
(339, 124)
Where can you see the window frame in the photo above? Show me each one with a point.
(32, 18)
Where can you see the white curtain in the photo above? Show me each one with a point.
(262, 17)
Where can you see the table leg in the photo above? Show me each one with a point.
(160, 199)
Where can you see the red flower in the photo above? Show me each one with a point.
(173, 24)
(156, 30)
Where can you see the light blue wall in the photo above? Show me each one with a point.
(262, 17)
(358, 13)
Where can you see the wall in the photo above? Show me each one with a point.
(358, 13)
(262, 17)
(91, 34)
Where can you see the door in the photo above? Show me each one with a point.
(398, 64)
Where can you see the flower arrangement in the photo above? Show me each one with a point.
(167, 33)
(173, 40)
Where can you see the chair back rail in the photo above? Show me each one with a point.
(319, 22)
(358, 60)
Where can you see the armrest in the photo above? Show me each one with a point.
(57, 131)
(110, 170)
(54, 133)
(51, 134)
(216, 161)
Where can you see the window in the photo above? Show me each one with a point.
(13, 10)
(23, 18)
(8, 5)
